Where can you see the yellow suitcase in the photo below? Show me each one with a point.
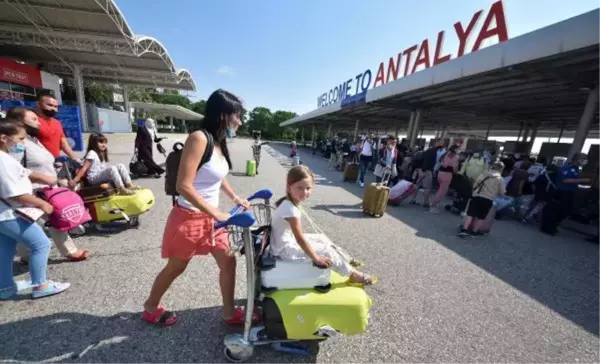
(120, 207)
(299, 314)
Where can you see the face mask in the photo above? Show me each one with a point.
(31, 131)
(476, 155)
(584, 162)
(49, 113)
(390, 147)
(17, 148)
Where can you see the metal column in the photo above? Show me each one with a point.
(80, 94)
(526, 132)
(416, 121)
(534, 132)
(409, 129)
(487, 133)
(520, 132)
(171, 128)
(562, 130)
(356, 130)
(302, 136)
(584, 123)
(329, 132)
(126, 104)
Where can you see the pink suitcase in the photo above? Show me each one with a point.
(401, 191)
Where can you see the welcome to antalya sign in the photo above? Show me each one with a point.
(425, 56)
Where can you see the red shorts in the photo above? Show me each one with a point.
(190, 233)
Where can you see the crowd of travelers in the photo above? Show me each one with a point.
(31, 142)
(520, 185)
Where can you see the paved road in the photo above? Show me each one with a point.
(515, 296)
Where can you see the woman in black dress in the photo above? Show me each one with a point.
(144, 144)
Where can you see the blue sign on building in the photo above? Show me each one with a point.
(68, 115)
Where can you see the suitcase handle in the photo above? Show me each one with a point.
(385, 177)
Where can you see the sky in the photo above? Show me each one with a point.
(284, 54)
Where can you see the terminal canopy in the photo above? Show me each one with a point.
(93, 35)
(175, 111)
(542, 78)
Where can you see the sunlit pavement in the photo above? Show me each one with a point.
(514, 296)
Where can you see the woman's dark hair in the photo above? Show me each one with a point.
(10, 127)
(296, 174)
(18, 113)
(93, 141)
(219, 105)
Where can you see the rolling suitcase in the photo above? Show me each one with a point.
(306, 314)
(116, 207)
(351, 172)
(376, 196)
(402, 190)
(251, 168)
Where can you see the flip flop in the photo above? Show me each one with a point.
(367, 280)
(160, 317)
(239, 316)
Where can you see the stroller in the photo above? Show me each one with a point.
(464, 191)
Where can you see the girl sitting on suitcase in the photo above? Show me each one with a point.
(96, 171)
(287, 239)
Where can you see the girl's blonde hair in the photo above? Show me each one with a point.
(296, 174)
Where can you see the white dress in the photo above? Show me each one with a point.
(284, 245)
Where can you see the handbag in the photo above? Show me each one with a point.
(30, 214)
(136, 166)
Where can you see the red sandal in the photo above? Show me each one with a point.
(83, 255)
(160, 317)
(239, 316)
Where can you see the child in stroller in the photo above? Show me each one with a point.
(464, 191)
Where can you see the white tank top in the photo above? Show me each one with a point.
(208, 181)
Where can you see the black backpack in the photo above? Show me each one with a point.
(173, 160)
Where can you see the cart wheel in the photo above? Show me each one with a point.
(230, 356)
(134, 221)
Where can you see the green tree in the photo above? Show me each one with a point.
(198, 106)
(171, 99)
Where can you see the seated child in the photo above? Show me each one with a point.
(289, 243)
(96, 171)
(487, 187)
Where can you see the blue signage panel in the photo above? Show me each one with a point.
(354, 100)
(68, 116)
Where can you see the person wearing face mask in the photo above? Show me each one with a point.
(567, 181)
(51, 133)
(387, 160)
(16, 193)
(474, 167)
(144, 143)
(38, 159)
(190, 226)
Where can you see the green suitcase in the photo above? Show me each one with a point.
(251, 168)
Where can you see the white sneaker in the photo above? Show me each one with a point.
(362, 185)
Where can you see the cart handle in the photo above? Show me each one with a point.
(244, 220)
(264, 194)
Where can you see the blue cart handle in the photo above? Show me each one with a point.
(264, 194)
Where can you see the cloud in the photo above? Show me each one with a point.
(225, 70)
